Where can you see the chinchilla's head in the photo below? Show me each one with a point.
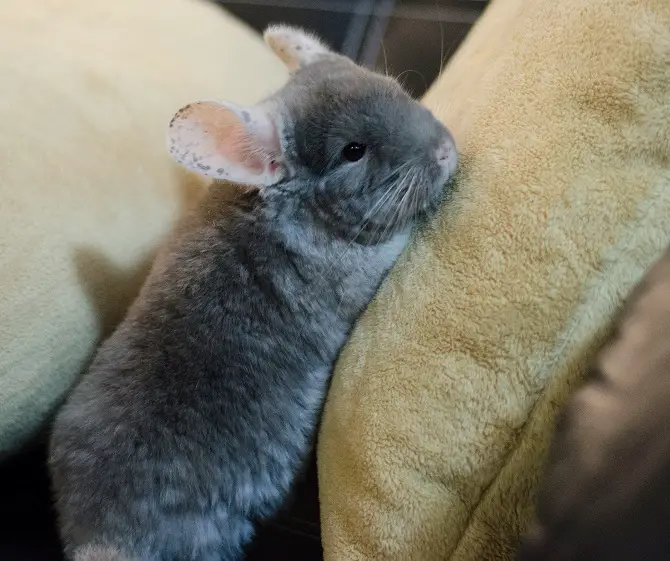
(348, 143)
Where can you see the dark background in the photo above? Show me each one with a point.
(407, 38)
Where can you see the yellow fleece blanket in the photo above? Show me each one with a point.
(443, 402)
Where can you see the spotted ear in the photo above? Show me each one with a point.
(295, 47)
(226, 141)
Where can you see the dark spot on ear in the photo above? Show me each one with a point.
(182, 111)
(220, 171)
(203, 167)
(298, 47)
(246, 116)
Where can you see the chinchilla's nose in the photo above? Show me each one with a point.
(446, 155)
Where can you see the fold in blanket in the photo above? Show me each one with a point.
(442, 404)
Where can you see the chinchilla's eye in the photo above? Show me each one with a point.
(353, 151)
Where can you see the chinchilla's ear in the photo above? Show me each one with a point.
(296, 47)
(227, 141)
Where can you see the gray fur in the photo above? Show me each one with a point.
(198, 413)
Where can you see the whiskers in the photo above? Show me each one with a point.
(398, 205)
(400, 181)
(392, 211)
(403, 83)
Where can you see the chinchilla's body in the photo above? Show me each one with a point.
(199, 411)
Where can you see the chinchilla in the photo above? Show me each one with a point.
(199, 411)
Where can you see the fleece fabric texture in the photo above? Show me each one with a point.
(87, 189)
(442, 404)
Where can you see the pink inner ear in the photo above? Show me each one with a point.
(225, 141)
(233, 141)
(230, 138)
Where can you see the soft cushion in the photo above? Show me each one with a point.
(87, 189)
(442, 403)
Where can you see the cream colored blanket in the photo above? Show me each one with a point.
(443, 402)
(87, 188)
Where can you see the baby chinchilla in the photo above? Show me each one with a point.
(199, 411)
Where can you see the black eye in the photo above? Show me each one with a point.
(353, 151)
